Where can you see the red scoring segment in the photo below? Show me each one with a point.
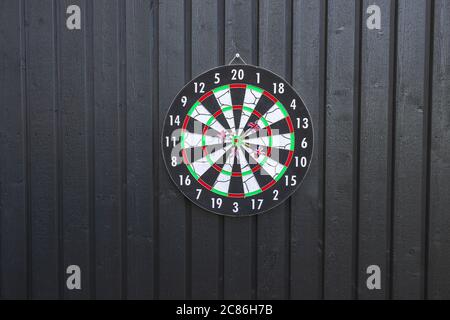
(238, 86)
(206, 95)
(271, 97)
(204, 184)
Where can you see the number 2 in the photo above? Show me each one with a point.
(275, 195)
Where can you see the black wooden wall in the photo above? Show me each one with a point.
(82, 180)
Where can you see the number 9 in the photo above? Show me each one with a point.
(184, 101)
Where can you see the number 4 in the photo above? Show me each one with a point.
(294, 104)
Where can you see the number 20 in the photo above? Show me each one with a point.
(237, 74)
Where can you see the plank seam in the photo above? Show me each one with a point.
(58, 149)
(156, 146)
(188, 206)
(392, 149)
(289, 73)
(357, 145)
(122, 98)
(27, 150)
(90, 105)
(324, 71)
(429, 43)
(221, 233)
(254, 219)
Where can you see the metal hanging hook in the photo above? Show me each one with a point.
(237, 56)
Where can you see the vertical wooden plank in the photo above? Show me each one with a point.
(340, 158)
(13, 139)
(274, 226)
(74, 112)
(123, 147)
(90, 127)
(174, 235)
(140, 36)
(240, 234)
(207, 234)
(374, 198)
(307, 208)
(409, 153)
(107, 152)
(43, 115)
(439, 253)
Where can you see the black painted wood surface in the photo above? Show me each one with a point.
(82, 180)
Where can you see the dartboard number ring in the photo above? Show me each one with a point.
(237, 140)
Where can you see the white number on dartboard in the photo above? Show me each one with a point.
(185, 181)
(174, 120)
(292, 181)
(278, 88)
(235, 207)
(237, 74)
(199, 87)
(216, 203)
(275, 195)
(174, 141)
(293, 104)
(183, 101)
(216, 78)
(302, 123)
(304, 143)
(303, 162)
(257, 204)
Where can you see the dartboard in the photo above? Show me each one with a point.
(237, 140)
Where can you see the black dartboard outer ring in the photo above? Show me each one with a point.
(231, 113)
